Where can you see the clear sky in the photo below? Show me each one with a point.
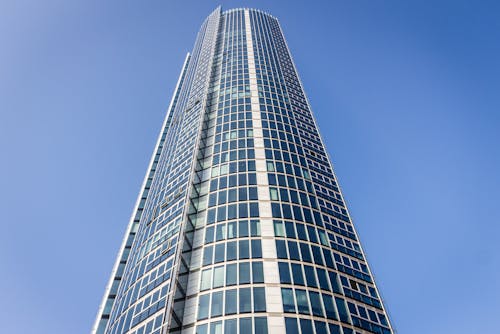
(407, 98)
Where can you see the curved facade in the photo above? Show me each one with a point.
(240, 226)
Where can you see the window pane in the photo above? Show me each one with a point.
(323, 280)
(203, 304)
(202, 329)
(244, 273)
(344, 317)
(244, 249)
(221, 232)
(246, 325)
(279, 231)
(245, 301)
(256, 249)
(231, 274)
(315, 303)
(297, 274)
(216, 327)
(334, 281)
(334, 329)
(329, 308)
(320, 327)
(216, 304)
(306, 326)
(206, 279)
(232, 251)
(306, 253)
(219, 276)
(291, 326)
(259, 300)
(288, 303)
(281, 249)
(220, 252)
(260, 325)
(294, 250)
(302, 303)
(284, 273)
(209, 235)
(207, 255)
(310, 276)
(231, 230)
(290, 230)
(230, 326)
(231, 301)
(257, 272)
(243, 225)
(255, 228)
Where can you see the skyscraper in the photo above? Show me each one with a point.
(240, 225)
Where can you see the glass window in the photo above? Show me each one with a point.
(243, 249)
(329, 307)
(320, 327)
(206, 279)
(318, 259)
(294, 250)
(216, 304)
(323, 279)
(306, 326)
(344, 316)
(245, 301)
(231, 230)
(279, 231)
(273, 192)
(230, 326)
(216, 327)
(302, 303)
(310, 276)
(220, 252)
(284, 270)
(246, 325)
(288, 302)
(207, 255)
(259, 300)
(244, 272)
(232, 252)
(257, 272)
(256, 249)
(254, 209)
(334, 329)
(260, 325)
(243, 225)
(231, 301)
(291, 326)
(202, 329)
(219, 276)
(298, 278)
(203, 305)
(255, 228)
(306, 253)
(334, 281)
(301, 231)
(316, 304)
(312, 234)
(290, 230)
(231, 274)
(209, 234)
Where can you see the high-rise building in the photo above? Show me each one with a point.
(240, 225)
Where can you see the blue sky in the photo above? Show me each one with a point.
(407, 98)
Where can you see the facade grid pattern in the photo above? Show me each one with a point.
(241, 226)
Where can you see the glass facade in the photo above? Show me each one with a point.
(240, 226)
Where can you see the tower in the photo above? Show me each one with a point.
(240, 225)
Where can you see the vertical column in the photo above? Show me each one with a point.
(271, 275)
